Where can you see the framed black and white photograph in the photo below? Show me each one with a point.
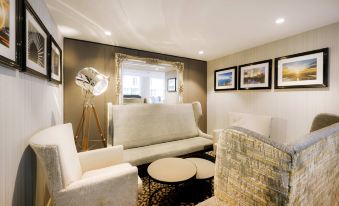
(54, 61)
(10, 32)
(172, 85)
(255, 75)
(303, 70)
(36, 36)
(225, 79)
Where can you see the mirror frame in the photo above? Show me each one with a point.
(121, 58)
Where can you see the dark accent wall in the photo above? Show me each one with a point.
(79, 54)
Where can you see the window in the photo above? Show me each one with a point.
(131, 85)
(157, 89)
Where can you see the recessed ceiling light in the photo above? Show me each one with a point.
(280, 21)
(108, 33)
(201, 52)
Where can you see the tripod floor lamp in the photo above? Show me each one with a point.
(92, 84)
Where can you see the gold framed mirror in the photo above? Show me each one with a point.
(121, 60)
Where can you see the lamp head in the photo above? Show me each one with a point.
(91, 81)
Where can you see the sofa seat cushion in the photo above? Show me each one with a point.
(148, 154)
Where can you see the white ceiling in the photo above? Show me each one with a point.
(184, 27)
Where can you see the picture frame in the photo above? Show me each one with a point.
(54, 61)
(302, 70)
(255, 75)
(225, 79)
(11, 16)
(35, 44)
(172, 85)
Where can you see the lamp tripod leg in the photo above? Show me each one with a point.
(83, 128)
(81, 124)
(99, 126)
(86, 130)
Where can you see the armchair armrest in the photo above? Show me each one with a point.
(216, 135)
(117, 188)
(96, 159)
(284, 171)
(215, 138)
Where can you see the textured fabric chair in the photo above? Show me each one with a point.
(97, 177)
(323, 120)
(254, 170)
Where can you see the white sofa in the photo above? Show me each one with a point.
(152, 131)
(97, 177)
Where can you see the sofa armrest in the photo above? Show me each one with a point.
(99, 158)
(116, 188)
(202, 134)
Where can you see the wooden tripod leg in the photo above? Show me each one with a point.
(85, 138)
(80, 124)
(99, 127)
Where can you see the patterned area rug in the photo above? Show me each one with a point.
(186, 194)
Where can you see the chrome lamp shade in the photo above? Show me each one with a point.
(90, 80)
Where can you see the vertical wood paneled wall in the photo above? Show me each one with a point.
(27, 105)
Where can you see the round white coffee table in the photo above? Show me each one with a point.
(170, 171)
(205, 168)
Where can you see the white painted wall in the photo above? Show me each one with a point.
(27, 105)
(293, 109)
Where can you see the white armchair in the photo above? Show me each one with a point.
(97, 177)
(258, 123)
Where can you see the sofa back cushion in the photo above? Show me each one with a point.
(60, 137)
(258, 123)
(146, 124)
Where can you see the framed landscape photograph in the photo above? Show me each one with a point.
(36, 36)
(10, 32)
(256, 75)
(172, 85)
(303, 70)
(225, 79)
(54, 61)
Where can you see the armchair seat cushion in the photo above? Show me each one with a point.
(115, 169)
(148, 154)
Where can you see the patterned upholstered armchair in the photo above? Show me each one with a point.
(97, 177)
(253, 170)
